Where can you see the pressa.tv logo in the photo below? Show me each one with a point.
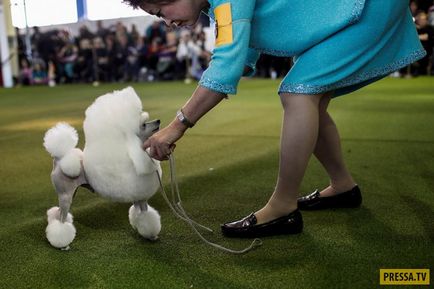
(404, 277)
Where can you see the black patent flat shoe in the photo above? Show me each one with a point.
(248, 228)
(348, 199)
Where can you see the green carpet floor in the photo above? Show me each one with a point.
(227, 168)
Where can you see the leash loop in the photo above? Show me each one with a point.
(178, 210)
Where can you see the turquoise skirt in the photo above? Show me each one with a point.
(382, 41)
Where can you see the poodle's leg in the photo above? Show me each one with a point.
(136, 209)
(65, 201)
(145, 219)
(141, 206)
(60, 230)
(65, 188)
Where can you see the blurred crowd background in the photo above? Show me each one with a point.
(118, 53)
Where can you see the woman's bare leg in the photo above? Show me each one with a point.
(328, 151)
(298, 139)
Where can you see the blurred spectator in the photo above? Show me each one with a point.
(51, 74)
(121, 33)
(39, 72)
(142, 59)
(36, 35)
(431, 15)
(153, 55)
(83, 68)
(414, 8)
(423, 5)
(272, 67)
(101, 32)
(204, 54)
(188, 55)
(167, 57)
(131, 72)
(101, 58)
(134, 34)
(120, 56)
(157, 30)
(46, 45)
(21, 46)
(26, 76)
(111, 54)
(426, 36)
(85, 33)
(67, 57)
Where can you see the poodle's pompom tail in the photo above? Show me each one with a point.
(59, 234)
(147, 223)
(60, 139)
(54, 214)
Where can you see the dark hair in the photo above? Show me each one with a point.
(136, 3)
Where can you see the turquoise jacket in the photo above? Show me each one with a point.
(247, 28)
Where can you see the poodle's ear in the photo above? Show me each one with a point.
(144, 117)
(142, 162)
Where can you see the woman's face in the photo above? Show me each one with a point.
(178, 13)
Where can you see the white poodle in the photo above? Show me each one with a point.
(112, 164)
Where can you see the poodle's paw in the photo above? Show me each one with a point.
(147, 223)
(54, 214)
(59, 234)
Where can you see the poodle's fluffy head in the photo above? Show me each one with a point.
(147, 128)
(119, 112)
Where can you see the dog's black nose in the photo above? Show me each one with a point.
(158, 121)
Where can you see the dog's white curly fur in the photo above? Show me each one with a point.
(60, 142)
(54, 214)
(147, 223)
(59, 234)
(111, 127)
(70, 164)
(60, 139)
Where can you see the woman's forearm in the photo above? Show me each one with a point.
(202, 101)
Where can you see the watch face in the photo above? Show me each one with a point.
(180, 116)
(183, 119)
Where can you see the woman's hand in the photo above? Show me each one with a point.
(162, 143)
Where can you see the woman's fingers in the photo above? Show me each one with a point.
(146, 144)
(161, 144)
(157, 149)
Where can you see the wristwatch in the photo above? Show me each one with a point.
(183, 119)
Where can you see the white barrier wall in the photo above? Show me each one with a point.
(4, 51)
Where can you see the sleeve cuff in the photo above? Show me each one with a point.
(216, 86)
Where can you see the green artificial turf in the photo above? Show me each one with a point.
(227, 166)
